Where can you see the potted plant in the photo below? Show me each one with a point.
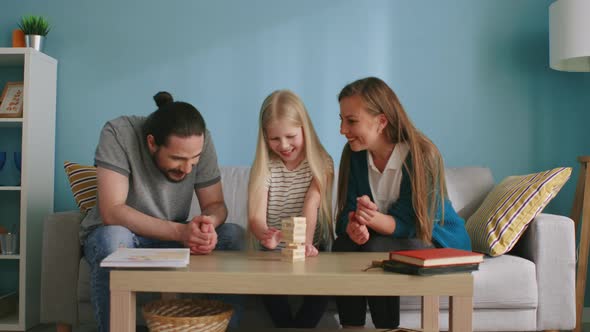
(35, 29)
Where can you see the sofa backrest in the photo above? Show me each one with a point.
(466, 186)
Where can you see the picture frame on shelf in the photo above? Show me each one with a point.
(11, 105)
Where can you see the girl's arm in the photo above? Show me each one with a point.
(258, 201)
(311, 204)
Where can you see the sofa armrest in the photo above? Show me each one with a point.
(59, 266)
(550, 243)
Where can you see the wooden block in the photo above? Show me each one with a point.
(294, 228)
(293, 252)
(294, 239)
(295, 221)
(293, 256)
(295, 246)
(288, 235)
(293, 259)
(299, 220)
(291, 228)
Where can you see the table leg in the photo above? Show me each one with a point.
(430, 313)
(122, 311)
(460, 313)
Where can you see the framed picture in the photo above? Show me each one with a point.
(11, 105)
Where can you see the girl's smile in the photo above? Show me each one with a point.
(286, 141)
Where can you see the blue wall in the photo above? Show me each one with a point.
(473, 75)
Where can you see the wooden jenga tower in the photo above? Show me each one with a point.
(293, 234)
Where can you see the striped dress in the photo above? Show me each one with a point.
(286, 193)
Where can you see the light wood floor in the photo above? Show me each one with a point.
(51, 328)
(82, 328)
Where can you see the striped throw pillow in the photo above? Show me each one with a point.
(83, 183)
(509, 208)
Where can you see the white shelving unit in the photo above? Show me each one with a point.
(34, 196)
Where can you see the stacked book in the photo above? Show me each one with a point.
(432, 261)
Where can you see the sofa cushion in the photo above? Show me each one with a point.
(509, 208)
(467, 187)
(83, 184)
(234, 181)
(84, 281)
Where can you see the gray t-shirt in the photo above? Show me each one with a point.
(122, 148)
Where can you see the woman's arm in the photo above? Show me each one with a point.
(367, 214)
(402, 210)
(350, 204)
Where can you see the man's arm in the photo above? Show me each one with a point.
(212, 203)
(113, 188)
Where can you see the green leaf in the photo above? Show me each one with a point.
(34, 25)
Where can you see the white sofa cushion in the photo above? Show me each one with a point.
(467, 188)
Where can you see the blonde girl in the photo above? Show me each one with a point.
(291, 176)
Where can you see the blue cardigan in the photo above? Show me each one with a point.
(450, 234)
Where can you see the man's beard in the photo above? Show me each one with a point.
(167, 172)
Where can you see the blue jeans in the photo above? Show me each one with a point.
(105, 240)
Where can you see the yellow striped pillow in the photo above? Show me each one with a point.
(83, 183)
(508, 209)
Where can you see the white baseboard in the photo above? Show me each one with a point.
(586, 315)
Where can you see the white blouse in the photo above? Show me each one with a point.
(385, 186)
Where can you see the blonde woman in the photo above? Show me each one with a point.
(291, 176)
(391, 191)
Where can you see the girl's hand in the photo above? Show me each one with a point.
(311, 250)
(272, 238)
(268, 233)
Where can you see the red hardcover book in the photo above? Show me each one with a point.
(436, 257)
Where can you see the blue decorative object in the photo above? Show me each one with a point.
(2, 159)
(17, 159)
(17, 163)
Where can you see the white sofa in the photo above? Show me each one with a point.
(530, 289)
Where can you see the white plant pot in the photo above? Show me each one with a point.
(35, 41)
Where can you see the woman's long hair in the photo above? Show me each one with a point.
(285, 105)
(426, 169)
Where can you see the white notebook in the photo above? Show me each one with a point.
(147, 257)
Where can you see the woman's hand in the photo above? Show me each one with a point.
(271, 238)
(366, 211)
(311, 250)
(357, 232)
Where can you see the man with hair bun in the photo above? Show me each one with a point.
(148, 169)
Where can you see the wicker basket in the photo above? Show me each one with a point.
(187, 315)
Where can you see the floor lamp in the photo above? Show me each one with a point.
(569, 50)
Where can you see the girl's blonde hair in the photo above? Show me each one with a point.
(427, 169)
(285, 105)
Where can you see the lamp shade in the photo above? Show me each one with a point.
(569, 35)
